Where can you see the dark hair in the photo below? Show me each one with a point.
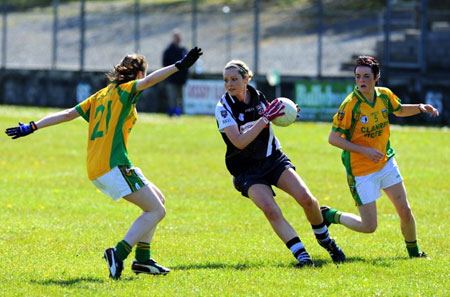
(369, 62)
(128, 68)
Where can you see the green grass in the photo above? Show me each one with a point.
(55, 224)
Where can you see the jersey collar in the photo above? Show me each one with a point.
(361, 97)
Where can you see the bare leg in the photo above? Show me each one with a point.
(291, 183)
(366, 223)
(261, 195)
(397, 194)
(147, 237)
(153, 212)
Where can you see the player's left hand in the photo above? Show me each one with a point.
(190, 58)
(21, 130)
(427, 108)
(274, 110)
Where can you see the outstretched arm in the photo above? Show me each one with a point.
(50, 120)
(161, 74)
(155, 77)
(412, 109)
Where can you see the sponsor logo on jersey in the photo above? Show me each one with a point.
(340, 115)
(223, 113)
(260, 109)
(384, 112)
(241, 117)
(364, 119)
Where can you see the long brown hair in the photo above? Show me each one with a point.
(128, 69)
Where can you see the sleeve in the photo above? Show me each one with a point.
(128, 93)
(394, 102)
(84, 108)
(342, 120)
(224, 117)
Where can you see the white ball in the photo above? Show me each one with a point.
(290, 113)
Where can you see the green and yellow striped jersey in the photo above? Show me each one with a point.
(366, 124)
(111, 114)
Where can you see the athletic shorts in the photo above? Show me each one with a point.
(367, 188)
(266, 172)
(121, 181)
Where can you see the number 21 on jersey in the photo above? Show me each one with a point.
(102, 117)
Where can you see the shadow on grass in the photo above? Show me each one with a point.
(242, 266)
(68, 282)
(379, 261)
(196, 266)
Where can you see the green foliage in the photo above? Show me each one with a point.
(55, 224)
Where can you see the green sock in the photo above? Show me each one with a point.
(142, 251)
(122, 251)
(333, 216)
(412, 247)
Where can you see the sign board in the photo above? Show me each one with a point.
(319, 101)
(201, 96)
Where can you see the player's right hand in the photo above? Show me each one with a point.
(21, 130)
(190, 58)
(274, 110)
(373, 154)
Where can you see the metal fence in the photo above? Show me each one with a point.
(300, 40)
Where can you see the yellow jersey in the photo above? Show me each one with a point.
(111, 114)
(366, 124)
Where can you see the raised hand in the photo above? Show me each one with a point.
(189, 59)
(21, 130)
(274, 110)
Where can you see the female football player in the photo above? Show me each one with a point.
(111, 114)
(361, 129)
(255, 161)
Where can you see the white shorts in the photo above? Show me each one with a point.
(121, 181)
(368, 187)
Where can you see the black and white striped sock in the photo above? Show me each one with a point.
(298, 249)
(321, 233)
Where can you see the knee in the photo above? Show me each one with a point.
(159, 212)
(370, 227)
(306, 200)
(405, 214)
(271, 211)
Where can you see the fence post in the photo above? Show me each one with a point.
(82, 34)
(423, 36)
(4, 31)
(387, 40)
(194, 23)
(319, 38)
(137, 32)
(55, 34)
(256, 36)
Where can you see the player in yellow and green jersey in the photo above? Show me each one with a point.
(361, 129)
(111, 114)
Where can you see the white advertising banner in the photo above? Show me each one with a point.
(201, 96)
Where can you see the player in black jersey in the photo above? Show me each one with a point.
(256, 162)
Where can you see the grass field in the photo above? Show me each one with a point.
(55, 224)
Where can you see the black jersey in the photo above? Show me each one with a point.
(230, 111)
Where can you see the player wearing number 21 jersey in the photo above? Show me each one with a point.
(111, 113)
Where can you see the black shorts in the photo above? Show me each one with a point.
(266, 172)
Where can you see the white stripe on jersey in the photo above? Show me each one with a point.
(224, 116)
(269, 142)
